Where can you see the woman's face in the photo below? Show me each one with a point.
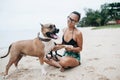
(72, 19)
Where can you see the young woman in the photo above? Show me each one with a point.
(73, 38)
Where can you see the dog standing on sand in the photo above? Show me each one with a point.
(37, 47)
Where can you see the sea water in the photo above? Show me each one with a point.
(9, 36)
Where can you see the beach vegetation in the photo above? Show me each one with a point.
(107, 15)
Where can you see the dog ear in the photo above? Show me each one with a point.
(41, 24)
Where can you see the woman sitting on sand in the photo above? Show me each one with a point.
(73, 38)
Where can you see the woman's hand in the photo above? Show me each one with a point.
(69, 48)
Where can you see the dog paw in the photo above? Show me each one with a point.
(4, 77)
(44, 72)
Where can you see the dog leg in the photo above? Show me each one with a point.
(42, 66)
(16, 62)
(51, 55)
(11, 61)
(5, 77)
(8, 66)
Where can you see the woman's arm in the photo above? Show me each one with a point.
(79, 40)
(57, 47)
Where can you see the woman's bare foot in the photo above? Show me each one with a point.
(62, 69)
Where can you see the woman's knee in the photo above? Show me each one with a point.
(64, 62)
(68, 62)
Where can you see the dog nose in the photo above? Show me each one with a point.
(57, 30)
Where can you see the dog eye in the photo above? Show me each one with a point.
(54, 26)
(50, 26)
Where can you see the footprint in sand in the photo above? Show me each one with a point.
(98, 45)
(100, 77)
(52, 75)
(57, 75)
(93, 59)
(90, 68)
(63, 76)
(110, 68)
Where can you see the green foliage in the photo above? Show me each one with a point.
(93, 18)
(101, 17)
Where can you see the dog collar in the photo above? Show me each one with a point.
(44, 39)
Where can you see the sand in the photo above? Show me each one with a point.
(100, 59)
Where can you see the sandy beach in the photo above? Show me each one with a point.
(100, 60)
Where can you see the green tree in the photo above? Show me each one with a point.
(93, 18)
(105, 13)
(115, 10)
(101, 17)
(110, 12)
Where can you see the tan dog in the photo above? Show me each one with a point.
(37, 47)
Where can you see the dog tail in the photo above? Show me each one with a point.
(7, 52)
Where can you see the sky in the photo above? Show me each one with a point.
(28, 14)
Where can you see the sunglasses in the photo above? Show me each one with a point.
(72, 20)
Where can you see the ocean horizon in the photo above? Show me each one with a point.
(9, 36)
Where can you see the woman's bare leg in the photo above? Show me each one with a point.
(52, 62)
(67, 61)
